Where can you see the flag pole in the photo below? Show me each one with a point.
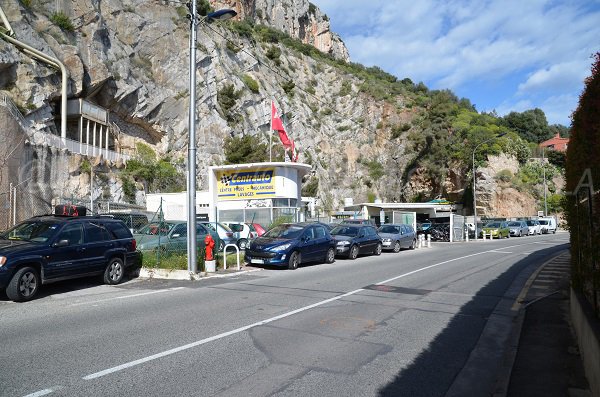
(271, 134)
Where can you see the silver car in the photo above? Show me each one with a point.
(396, 237)
(518, 228)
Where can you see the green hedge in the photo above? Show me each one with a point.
(582, 170)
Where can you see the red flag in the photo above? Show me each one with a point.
(277, 125)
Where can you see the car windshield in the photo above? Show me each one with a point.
(236, 227)
(530, 223)
(284, 231)
(345, 231)
(543, 222)
(514, 224)
(154, 228)
(37, 232)
(389, 229)
(493, 224)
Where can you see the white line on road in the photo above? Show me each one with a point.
(129, 296)
(40, 393)
(263, 322)
(501, 252)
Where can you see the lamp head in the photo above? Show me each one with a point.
(220, 15)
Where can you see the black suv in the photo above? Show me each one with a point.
(352, 240)
(51, 248)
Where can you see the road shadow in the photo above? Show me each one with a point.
(426, 375)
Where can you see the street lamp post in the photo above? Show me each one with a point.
(475, 181)
(191, 174)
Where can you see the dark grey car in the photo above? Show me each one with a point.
(518, 228)
(397, 237)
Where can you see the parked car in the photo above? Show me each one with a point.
(291, 244)
(534, 227)
(397, 237)
(358, 222)
(550, 224)
(353, 240)
(133, 220)
(170, 236)
(225, 233)
(258, 228)
(496, 229)
(423, 227)
(50, 248)
(242, 232)
(518, 228)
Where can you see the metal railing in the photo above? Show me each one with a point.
(8, 103)
(47, 139)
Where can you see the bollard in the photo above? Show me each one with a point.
(429, 241)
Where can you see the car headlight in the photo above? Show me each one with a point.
(2, 260)
(281, 247)
(343, 242)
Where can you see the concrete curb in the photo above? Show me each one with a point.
(497, 343)
(168, 274)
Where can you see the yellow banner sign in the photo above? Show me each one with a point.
(245, 185)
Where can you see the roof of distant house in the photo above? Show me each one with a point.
(556, 143)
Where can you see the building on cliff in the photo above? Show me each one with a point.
(556, 143)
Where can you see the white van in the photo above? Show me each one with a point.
(548, 224)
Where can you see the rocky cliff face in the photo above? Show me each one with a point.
(132, 58)
(299, 18)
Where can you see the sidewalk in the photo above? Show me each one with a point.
(548, 362)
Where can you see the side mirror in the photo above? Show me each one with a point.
(61, 243)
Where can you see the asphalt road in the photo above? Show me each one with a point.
(428, 322)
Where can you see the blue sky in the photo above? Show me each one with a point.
(503, 55)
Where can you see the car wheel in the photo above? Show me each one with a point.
(353, 254)
(397, 246)
(242, 243)
(378, 249)
(221, 245)
(330, 256)
(294, 260)
(24, 285)
(114, 271)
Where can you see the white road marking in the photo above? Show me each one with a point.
(263, 322)
(40, 393)
(501, 252)
(160, 291)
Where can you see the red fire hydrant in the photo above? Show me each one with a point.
(209, 245)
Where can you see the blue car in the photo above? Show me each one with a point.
(291, 244)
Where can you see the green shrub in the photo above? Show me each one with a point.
(504, 176)
(346, 88)
(371, 197)
(311, 188)
(61, 20)
(376, 170)
(250, 83)
(232, 47)
(288, 87)
(273, 53)
(227, 98)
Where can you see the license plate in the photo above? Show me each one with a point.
(259, 261)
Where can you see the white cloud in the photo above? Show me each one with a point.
(558, 77)
(536, 49)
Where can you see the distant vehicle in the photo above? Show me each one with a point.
(358, 222)
(259, 229)
(496, 229)
(518, 228)
(353, 240)
(423, 227)
(225, 233)
(242, 232)
(534, 227)
(397, 237)
(169, 236)
(291, 244)
(50, 248)
(134, 221)
(547, 225)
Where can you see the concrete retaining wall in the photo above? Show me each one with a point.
(587, 328)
